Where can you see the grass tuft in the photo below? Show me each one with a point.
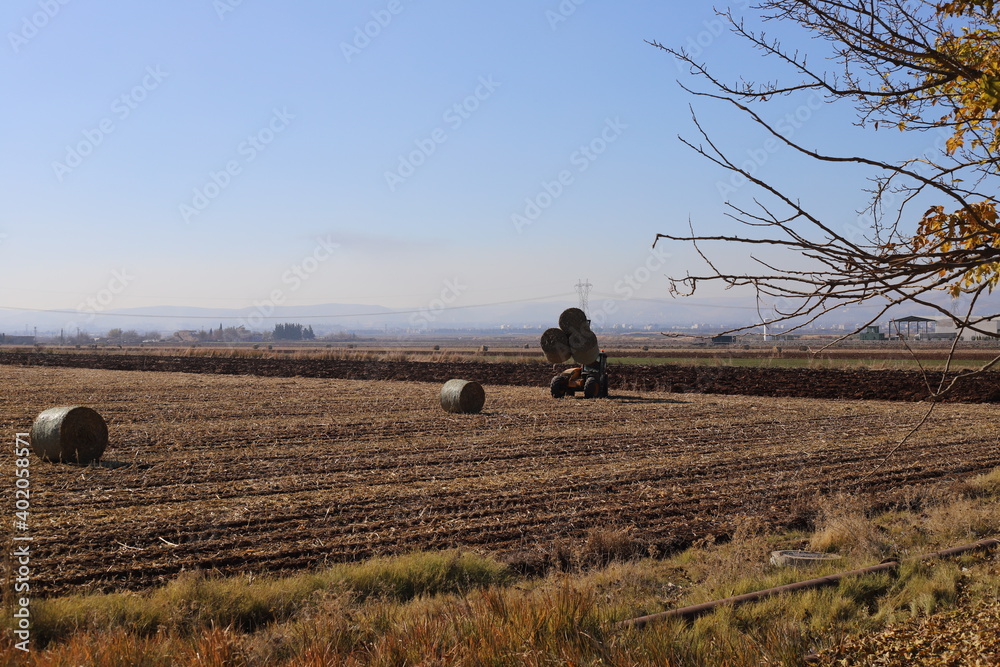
(604, 545)
(987, 484)
(414, 575)
(194, 600)
(843, 527)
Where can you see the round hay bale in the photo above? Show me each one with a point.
(71, 434)
(582, 341)
(462, 396)
(572, 319)
(555, 346)
(584, 346)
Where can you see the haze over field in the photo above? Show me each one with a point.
(380, 155)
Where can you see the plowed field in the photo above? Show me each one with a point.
(235, 473)
(890, 385)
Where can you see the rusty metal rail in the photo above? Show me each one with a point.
(694, 611)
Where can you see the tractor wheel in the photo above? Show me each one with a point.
(591, 387)
(603, 393)
(558, 386)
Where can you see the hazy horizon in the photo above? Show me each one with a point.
(242, 155)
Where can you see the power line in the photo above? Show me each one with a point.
(673, 301)
(130, 295)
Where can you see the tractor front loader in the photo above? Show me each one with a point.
(591, 379)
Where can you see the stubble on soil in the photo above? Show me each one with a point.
(232, 473)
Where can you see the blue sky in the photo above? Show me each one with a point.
(212, 153)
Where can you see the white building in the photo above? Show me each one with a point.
(944, 325)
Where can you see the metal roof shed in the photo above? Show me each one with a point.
(911, 320)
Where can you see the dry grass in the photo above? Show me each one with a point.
(843, 527)
(194, 600)
(987, 484)
(462, 609)
(965, 517)
(564, 619)
(731, 568)
(606, 544)
(601, 484)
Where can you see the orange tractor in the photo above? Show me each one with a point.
(591, 379)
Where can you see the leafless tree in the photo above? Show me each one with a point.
(902, 67)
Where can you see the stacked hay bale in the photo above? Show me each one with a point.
(555, 346)
(573, 338)
(582, 341)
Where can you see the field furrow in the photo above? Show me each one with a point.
(235, 473)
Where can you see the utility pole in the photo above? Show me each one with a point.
(583, 289)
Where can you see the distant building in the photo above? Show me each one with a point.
(944, 325)
(912, 325)
(871, 333)
(6, 339)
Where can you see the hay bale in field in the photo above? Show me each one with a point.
(462, 396)
(582, 341)
(72, 434)
(555, 346)
(584, 346)
(572, 319)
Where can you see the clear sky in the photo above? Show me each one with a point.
(209, 153)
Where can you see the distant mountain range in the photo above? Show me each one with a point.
(655, 314)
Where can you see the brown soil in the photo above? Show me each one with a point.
(901, 385)
(236, 473)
